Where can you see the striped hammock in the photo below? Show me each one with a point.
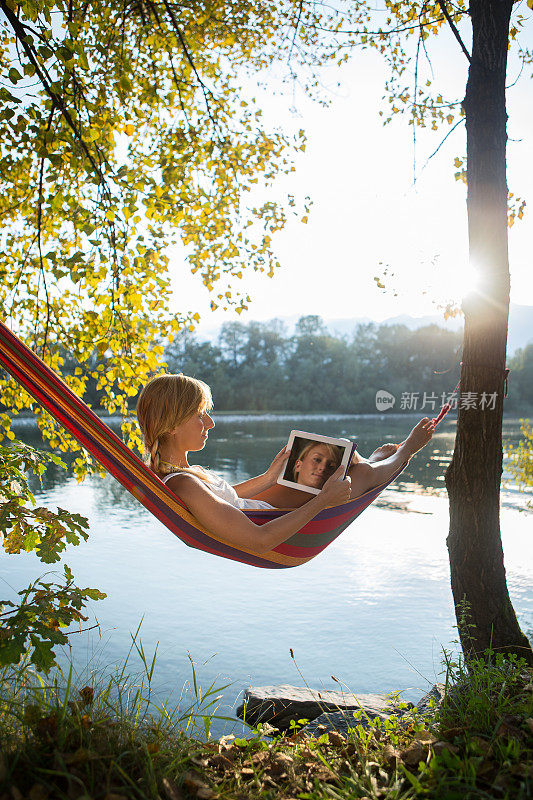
(96, 437)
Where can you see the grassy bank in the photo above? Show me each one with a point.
(112, 740)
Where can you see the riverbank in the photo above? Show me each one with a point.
(26, 417)
(109, 741)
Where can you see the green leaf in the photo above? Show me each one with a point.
(95, 594)
(45, 53)
(31, 540)
(14, 75)
(413, 780)
(11, 652)
(43, 655)
(65, 54)
(83, 59)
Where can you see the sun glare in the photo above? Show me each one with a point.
(463, 282)
(437, 284)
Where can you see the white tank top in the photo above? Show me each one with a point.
(222, 489)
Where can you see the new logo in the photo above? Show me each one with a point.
(384, 400)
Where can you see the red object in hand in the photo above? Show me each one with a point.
(442, 413)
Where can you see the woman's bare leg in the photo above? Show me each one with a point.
(379, 454)
(366, 475)
(283, 496)
(383, 452)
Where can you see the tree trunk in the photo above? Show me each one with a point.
(474, 475)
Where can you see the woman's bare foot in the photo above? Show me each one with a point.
(418, 438)
(383, 452)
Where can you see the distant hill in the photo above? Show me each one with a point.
(346, 326)
(520, 325)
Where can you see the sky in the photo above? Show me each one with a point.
(368, 214)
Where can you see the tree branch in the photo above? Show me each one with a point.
(300, 9)
(451, 23)
(434, 153)
(39, 235)
(183, 43)
(19, 30)
(414, 107)
(381, 32)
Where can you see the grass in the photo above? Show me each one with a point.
(111, 740)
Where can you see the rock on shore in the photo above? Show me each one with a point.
(279, 705)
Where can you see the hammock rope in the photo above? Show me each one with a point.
(50, 391)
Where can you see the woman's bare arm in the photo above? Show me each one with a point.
(254, 486)
(229, 523)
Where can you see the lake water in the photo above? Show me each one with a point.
(374, 610)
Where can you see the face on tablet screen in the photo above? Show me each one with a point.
(315, 463)
(313, 459)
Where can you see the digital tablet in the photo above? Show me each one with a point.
(313, 459)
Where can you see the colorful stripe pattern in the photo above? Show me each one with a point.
(73, 414)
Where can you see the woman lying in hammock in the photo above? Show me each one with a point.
(173, 413)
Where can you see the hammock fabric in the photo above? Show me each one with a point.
(96, 437)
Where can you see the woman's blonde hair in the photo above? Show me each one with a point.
(335, 452)
(164, 403)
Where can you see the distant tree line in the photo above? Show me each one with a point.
(258, 366)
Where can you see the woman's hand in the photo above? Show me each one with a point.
(274, 469)
(336, 490)
(254, 486)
